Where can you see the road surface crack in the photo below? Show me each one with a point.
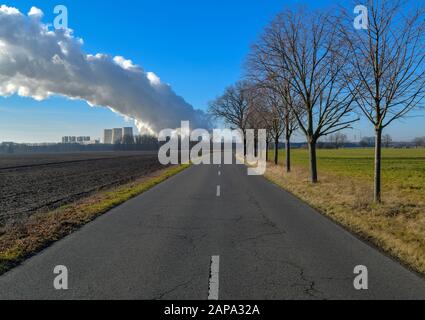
(309, 286)
(268, 222)
(311, 289)
(171, 290)
(259, 236)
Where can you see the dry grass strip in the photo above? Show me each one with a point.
(397, 225)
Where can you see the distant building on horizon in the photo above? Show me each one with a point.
(107, 136)
(116, 135)
(83, 139)
(79, 140)
(127, 132)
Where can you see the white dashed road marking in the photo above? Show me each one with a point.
(214, 269)
(218, 191)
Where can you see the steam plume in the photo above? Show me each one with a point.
(38, 62)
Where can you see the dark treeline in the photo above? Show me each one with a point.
(138, 143)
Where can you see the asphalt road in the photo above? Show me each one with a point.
(187, 238)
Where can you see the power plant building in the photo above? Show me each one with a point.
(127, 131)
(117, 135)
(107, 136)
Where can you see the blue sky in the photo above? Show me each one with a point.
(198, 47)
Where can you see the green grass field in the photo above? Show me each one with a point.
(403, 169)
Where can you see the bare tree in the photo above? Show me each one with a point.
(265, 123)
(387, 73)
(259, 114)
(257, 117)
(367, 142)
(234, 106)
(301, 50)
(337, 140)
(263, 71)
(419, 142)
(288, 103)
(387, 140)
(146, 142)
(267, 104)
(127, 139)
(291, 125)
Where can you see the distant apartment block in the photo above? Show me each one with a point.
(116, 135)
(83, 139)
(79, 140)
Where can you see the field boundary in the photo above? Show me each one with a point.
(41, 230)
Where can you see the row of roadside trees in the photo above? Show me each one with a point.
(315, 73)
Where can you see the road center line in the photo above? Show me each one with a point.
(213, 286)
(218, 190)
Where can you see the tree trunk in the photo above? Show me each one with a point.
(244, 145)
(267, 150)
(288, 143)
(255, 143)
(288, 154)
(276, 150)
(377, 180)
(313, 160)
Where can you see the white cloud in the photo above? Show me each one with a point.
(153, 78)
(124, 63)
(35, 12)
(38, 62)
(9, 10)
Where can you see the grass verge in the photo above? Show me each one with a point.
(397, 225)
(36, 233)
